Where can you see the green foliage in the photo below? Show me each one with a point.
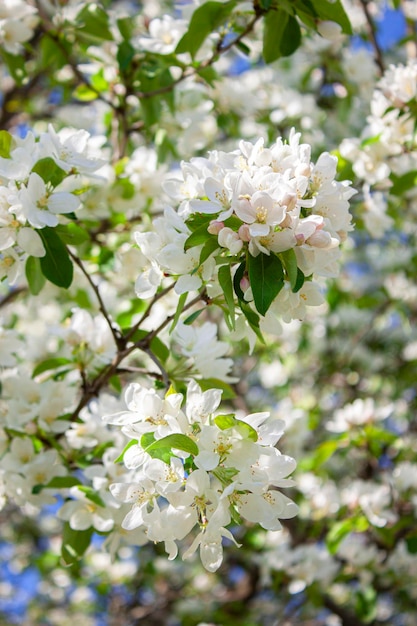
(56, 265)
(5, 144)
(266, 278)
(207, 18)
(34, 275)
(74, 543)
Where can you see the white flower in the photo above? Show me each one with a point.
(82, 513)
(39, 205)
(164, 34)
(72, 150)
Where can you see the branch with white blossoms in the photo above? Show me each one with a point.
(191, 466)
(256, 225)
(43, 178)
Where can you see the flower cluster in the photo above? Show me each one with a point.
(18, 20)
(40, 180)
(255, 211)
(193, 467)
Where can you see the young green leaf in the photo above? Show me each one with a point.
(289, 261)
(34, 276)
(72, 234)
(56, 264)
(204, 21)
(229, 421)
(198, 237)
(49, 171)
(266, 278)
(177, 441)
(50, 364)
(74, 543)
(5, 144)
(225, 280)
(334, 12)
(275, 23)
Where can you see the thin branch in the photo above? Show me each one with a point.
(94, 387)
(155, 299)
(13, 293)
(119, 340)
(379, 59)
(192, 71)
(159, 365)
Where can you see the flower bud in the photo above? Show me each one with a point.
(215, 227)
(244, 233)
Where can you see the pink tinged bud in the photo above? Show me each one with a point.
(320, 239)
(244, 233)
(215, 227)
(244, 283)
(300, 239)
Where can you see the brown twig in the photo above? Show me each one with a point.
(379, 59)
(117, 336)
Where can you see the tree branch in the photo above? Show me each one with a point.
(379, 59)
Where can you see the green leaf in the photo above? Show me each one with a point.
(49, 171)
(125, 52)
(291, 37)
(177, 441)
(275, 23)
(366, 604)
(322, 453)
(207, 250)
(339, 530)
(181, 303)
(58, 482)
(334, 12)
(289, 260)
(196, 220)
(198, 237)
(204, 21)
(50, 364)
(300, 281)
(16, 64)
(266, 278)
(53, 54)
(83, 93)
(191, 318)
(5, 144)
(209, 74)
(225, 280)
(240, 272)
(252, 318)
(229, 421)
(404, 183)
(56, 264)
(91, 494)
(215, 383)
(74, 543)
(93, 24)
(34, 276)
(131, 443)
(225, 421)
(411, 544)
(71, 234)
(225, 474)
